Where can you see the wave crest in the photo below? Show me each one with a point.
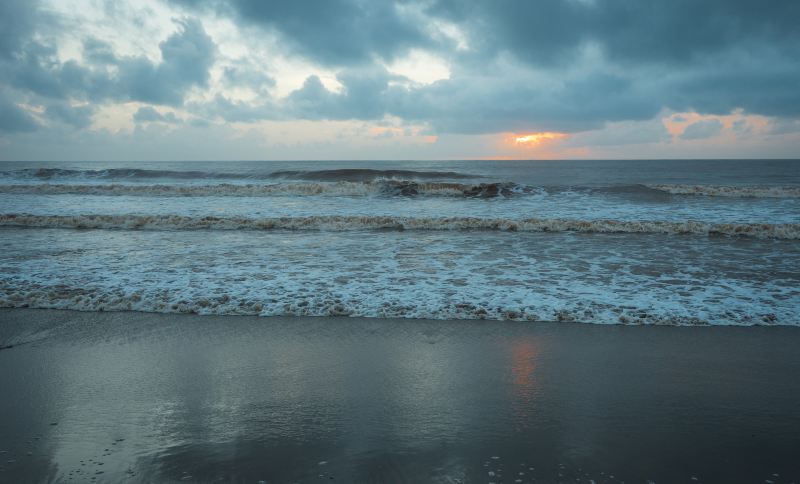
(346, 174)
(339, 188)
(729, 191)
(160, 300)
(364, 174)
(790, 231)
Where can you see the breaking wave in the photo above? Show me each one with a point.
(789, 231)
(348, 174)
(163, 300)
(730, 191)
(361, 174)
(339, 188)
(117, 173)
(318, 184)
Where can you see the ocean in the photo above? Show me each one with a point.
(669, 242)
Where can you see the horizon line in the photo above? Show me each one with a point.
(383, 160)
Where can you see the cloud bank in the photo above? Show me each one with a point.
(511, 66)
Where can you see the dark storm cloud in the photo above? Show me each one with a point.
(480, 104)
(331, 32)
(675, 31)
(186, 56)
(339, 32)
(17, 22)
(313, 101)
(365, 95)
(710, 56)
(565, 65)
(476, 104)
(761, 81)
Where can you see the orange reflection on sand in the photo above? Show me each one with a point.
(524, 355)
(523, 371)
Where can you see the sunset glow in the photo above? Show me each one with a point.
(536, 138)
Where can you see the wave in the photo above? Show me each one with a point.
(171, 300)
(362, 174)
(340, 188)
(349, 174)
(729, 191)
(118, 173)
(379, 186)
(629, 190)
(789, 231)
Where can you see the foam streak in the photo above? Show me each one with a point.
(789, 231)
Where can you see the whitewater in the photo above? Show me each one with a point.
(610, 242)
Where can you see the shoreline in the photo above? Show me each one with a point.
(767, 320)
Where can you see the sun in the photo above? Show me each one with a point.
(533, 139)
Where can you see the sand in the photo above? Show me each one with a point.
(133, 397)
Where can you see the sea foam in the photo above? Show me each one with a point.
(389, 187)
(789, 231)
(730, 191)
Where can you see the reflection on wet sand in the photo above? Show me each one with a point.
(163, 398)
(524, 354)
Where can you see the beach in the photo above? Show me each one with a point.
(137, 397)
(404, 241)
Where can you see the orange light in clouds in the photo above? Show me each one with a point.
(536, 138)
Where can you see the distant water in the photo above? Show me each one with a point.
(633, 242)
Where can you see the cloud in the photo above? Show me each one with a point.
(475, 103)
(147, 114)
(330, 32)
(13, 119)
(235, 111)
(187, 55)
(246, 75)
(343, 32)
(627, 31)
(604, 68)
(761, 80)
(17, 22)
(98, 52)
(742, 128)
(783, 126)
(573, 65)
(76, 116)
(365, 95)
(702, 129)
(620, 134)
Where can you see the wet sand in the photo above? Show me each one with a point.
(133, 397)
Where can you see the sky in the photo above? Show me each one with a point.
(405, 79)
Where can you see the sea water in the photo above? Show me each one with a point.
(630, 242)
